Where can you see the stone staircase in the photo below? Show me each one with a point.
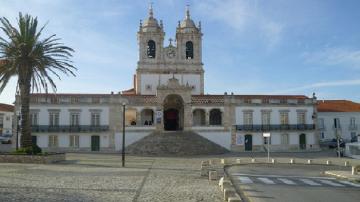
(174, 143)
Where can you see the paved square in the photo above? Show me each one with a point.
(99, 177)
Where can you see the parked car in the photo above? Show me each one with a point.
(332, 143)
(5, 139)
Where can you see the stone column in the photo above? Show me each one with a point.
(115, 123)
(187, 116)
(138, 118)
(207, 117)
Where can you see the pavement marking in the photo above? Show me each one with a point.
(266, 180)
(281, 176)
(310, 182)
(286, 181)
(331, 183)
(350, 183)
(245, 180)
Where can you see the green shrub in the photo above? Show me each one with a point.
(29, 150)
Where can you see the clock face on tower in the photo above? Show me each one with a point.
(171, 52)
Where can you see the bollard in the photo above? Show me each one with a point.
(213, 175)
(230, 192)
(328, 162)
(226, 185)
(292, 161)
(273, 161)
(347, 163)
(253, 160)
(355, 170)
(309, 161)
(238, 161)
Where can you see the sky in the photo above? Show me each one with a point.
(249, 46)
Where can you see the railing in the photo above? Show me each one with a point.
(70, 129)
(280, 127)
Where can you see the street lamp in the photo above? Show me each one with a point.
(17, 131)
(123, 137)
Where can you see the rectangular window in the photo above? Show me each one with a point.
(74, 119)
(34, 119)
(337, 123)
(1, 120)
(265, 118)
(53, 141)
(248, 118)
(322, 135)
(352, 122)
(74, 141)
(285, 139)
(321, 123)
(284, 118)
(95, 119)
(301, 118)
(54, 119)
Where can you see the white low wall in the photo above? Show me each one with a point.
(220, 138)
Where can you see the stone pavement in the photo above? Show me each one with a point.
(99, 177)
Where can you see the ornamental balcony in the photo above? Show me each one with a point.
(69, 129)
(273, 127)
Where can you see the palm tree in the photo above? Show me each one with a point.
(33, 61)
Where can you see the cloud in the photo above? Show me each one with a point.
(334, 56)
(318, 85)
(243, 16)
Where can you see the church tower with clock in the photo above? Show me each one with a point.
(180, 59)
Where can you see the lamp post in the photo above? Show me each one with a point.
(17, 131)
(123, 137)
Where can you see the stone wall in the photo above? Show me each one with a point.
(37, 159)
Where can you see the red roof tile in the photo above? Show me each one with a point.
(6, 107)
(338, 106)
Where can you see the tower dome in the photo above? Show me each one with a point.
(150, 24)
(188, 25)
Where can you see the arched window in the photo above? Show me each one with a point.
(189, 50)
(215, 117)
(151, 49)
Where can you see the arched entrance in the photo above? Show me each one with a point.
(173, 113)
(302, 141)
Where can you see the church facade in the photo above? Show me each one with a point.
(168, 95)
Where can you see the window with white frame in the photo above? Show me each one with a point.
(95, 119)
(53, 141)
(74, 141)
(74, 119)
(248, 118)
(301, 117)
(321, 123)
(352, 122)
(53, 118)
(337, 123)
(284, 118)
(322, 134)
(265, 117)
(285, 139)
(34, 119)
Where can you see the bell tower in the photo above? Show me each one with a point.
(181, 60)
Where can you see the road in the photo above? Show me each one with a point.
(295, 183)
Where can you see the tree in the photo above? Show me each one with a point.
(33, 61)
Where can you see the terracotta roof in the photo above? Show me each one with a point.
(67, 94)
(6, 107)
(272, 96)
(129, 92)
(338, 106)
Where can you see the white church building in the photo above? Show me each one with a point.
(168, 95)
